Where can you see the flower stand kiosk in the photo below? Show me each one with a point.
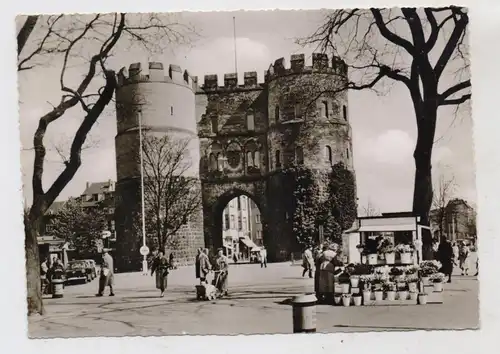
(390, 270)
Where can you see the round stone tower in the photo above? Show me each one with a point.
(308, 116)
(164, 103)
(308, 128)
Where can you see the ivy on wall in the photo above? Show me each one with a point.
(336, 209)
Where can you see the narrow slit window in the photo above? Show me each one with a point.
(277, 156)
(328, 153)
(344, 112)
(325, 109)
(250, 122)
(171, 110)
(277, 113)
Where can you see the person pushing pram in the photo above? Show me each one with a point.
(221, 273)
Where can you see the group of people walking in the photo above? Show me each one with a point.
(454, 254)
(220, 267)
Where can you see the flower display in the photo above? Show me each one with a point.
(403, 248)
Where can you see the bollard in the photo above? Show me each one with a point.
(57, 288)
(304, 313)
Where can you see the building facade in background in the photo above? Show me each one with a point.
(456, 221)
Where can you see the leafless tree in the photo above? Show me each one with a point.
(444, 193)
(87, 42)
(171, 196)
(413, 47)
(370, 209)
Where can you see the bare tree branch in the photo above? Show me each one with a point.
(25, 32)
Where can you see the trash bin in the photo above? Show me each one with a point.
(57, 288)
(304, 313)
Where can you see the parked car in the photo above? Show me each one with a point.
(78, 271)
(92, 268)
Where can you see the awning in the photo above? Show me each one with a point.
(248, 242)
(387, 228)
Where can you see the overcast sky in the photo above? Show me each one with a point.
(384, 129)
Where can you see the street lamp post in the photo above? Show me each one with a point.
(144, 250)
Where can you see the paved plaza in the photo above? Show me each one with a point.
(258, 302)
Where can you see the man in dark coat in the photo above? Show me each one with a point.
(445, 256)
(107, 274)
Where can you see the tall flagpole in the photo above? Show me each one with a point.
(235, 55)
(144, 259)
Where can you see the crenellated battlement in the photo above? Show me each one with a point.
(320, 64)
(231, 83)
(156, 73)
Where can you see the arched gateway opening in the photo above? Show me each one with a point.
(234, 220)
(241, 232)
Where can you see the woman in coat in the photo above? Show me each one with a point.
(161, 266)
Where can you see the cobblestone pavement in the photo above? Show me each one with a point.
(257, 303)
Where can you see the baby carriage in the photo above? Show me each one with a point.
(207, 291)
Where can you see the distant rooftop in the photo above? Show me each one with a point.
(99, 187)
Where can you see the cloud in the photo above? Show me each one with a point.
(393, 147)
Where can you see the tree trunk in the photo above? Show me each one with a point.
(423, 193)
(34, 288)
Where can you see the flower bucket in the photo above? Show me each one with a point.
(372, 259)
(357, 300)
(402, 295)
(438, 287)
(391, 295)
(399, 278)
(337, 300)
(390, 258)
(346, 301)
(425, 280)
(363, 259)
(354, 282)
(379, 295)
(345, 288)
(413, 296)
(412, 286)
(422, 299)
(367, 296)
(406, 258)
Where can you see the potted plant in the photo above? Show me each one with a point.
(344, 282)
(367, 293)
(356, 298)
(422, 298)
(427, 268)
(337, 298)
(437, 280)
(402, 294)
(346, 299)
(411, 281)
(405, 253)
(397, 274)
(386, 247)
(413, 295)
(390, 290)
(370, 249)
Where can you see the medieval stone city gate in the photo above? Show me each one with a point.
(248, 134)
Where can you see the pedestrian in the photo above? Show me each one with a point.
(456, 252)
(222, 267)
(161, 266)
(445, 256)
(171, 260)
(44, 270)
(307, 262)
(204, 266)
(464, 258)
(235, 258)
(107, 273)
(263, 257)
(197, 263)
